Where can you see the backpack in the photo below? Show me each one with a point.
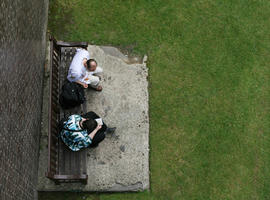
(72, 95)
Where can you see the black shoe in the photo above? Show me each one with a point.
(110, 130)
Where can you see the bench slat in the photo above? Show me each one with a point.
(55, 78)
(56, 63)
(55, 67)
(56, 56)
(55, 93)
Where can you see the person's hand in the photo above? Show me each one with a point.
(85, 85)
(98, 127)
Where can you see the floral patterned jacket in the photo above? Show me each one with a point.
(74, 140)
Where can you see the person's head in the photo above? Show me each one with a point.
(91, 64)
(89, 124)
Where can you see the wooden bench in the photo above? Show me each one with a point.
(64, 165)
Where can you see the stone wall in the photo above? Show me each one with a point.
(22, 55)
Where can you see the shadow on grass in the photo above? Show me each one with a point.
(60, 14)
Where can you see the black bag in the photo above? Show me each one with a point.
(72, 95)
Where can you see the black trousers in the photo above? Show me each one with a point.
(100, 135)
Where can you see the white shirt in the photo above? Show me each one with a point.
(77, 70)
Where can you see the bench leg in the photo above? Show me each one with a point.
(56, 182)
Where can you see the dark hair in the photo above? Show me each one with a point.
(89, 125)
(89, 61)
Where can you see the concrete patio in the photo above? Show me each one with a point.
(120, 162)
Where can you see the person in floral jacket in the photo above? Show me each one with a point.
(84, 131)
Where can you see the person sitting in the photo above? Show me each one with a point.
(84, 70)
(82, 131)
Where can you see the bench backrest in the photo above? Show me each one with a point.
(54, 109)
(58, 72)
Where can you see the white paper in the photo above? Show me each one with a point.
(86, 78)
(99, 121)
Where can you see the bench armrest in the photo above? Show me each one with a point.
(72, 44)
(68, 44)
(73, 178)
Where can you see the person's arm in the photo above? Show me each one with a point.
(81, 83)
(74, 76)
(93, 133)
(78, 81)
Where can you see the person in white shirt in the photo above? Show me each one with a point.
(84, 70)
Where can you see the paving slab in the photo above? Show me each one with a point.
(121, 161)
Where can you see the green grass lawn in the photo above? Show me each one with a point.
(209, 67)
